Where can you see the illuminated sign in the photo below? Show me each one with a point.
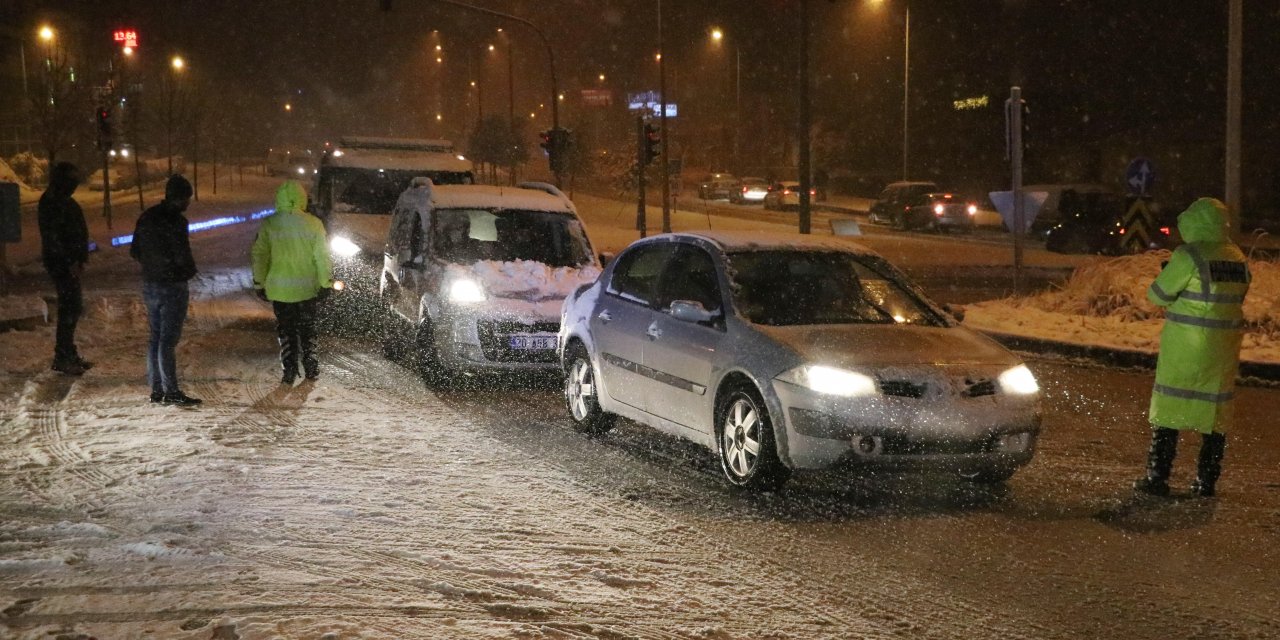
(971, 103)
(597, 97)
(126, 38)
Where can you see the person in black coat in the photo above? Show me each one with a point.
(162, 246)
(64, 245)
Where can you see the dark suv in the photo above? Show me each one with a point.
(1094, 223)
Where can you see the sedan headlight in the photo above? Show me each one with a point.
(1019, 381)
(343, 247)
(830, 380)
(465, 290)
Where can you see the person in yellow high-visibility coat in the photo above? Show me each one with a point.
(1202, 290)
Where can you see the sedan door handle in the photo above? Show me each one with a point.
(654, 331)
(605, 316)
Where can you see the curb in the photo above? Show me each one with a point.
(1268, 372)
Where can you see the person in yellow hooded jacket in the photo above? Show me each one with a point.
(1202, 289)
(292, 270)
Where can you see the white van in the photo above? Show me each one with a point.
(474, 276)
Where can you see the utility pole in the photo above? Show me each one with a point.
(906, 93)
(662, 126)
(642, 162)
(1233, 159)
(805, 180)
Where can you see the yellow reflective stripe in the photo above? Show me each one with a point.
(1160, 293)
(1208, 323)
(1224, 298)
(1192, 394)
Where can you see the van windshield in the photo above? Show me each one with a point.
(466, 236)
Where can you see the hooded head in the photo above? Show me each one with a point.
(178, 191)
(1204, 221)
(291, 197)
(64, 177)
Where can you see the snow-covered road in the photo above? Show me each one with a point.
(366, 506)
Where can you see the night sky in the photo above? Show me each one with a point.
(1094, 71)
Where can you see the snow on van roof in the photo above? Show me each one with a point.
(474, 196)
(767, 240)
(403, 144)
(396, 160)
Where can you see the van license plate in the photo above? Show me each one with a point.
(539, 343)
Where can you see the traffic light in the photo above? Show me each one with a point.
(547, 147)
(650, 145)
(105, 129)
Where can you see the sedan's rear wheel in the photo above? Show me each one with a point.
(748, 455)
(581, 394)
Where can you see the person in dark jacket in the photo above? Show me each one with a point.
(161, 245)
(64, 244)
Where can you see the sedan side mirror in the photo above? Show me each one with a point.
(690, 311)
(956, 311)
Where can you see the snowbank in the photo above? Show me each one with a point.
(1105, 304)
(25, 192)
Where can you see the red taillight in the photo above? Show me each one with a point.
(813, 192)
(906, 208)
(1121, 230)
(1165, 230)
(744, 189)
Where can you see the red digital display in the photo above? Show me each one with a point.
(126, 38)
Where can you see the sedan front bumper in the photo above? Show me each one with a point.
(948, 433)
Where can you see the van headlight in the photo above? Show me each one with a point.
(1019, 381)
(465, 290)
(830, 380)
(343, 247)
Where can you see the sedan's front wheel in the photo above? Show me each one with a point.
(581, 394)
(748, 455)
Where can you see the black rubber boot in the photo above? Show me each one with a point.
(310, 365)
(288, 357)
(1212, 447)
(1164, 446)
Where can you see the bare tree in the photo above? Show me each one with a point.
(60, 104)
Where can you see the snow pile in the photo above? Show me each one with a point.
(25, 192)
(527, 279)
(1106, 304)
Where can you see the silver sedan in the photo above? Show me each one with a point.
(790, 352)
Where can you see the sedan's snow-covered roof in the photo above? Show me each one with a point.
(474, 196)
(767, 240)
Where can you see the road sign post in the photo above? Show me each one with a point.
(642, 162)
(1013, 112)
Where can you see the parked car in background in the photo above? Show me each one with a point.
(749, 190)
(1093, 222)
(717, 186)
(785, 195)
(474, 277)
(785, 352)
(922, 205)
(298, 164)
(1050, 213)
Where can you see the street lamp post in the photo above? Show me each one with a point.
(717, 36)
(177, 64)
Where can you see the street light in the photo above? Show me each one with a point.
(178, 65)
(717, 36)
(46, 33)
(906, 85)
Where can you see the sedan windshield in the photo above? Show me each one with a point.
(466, 236)
(795, 287)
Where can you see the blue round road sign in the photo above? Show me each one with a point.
(1140, 176)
